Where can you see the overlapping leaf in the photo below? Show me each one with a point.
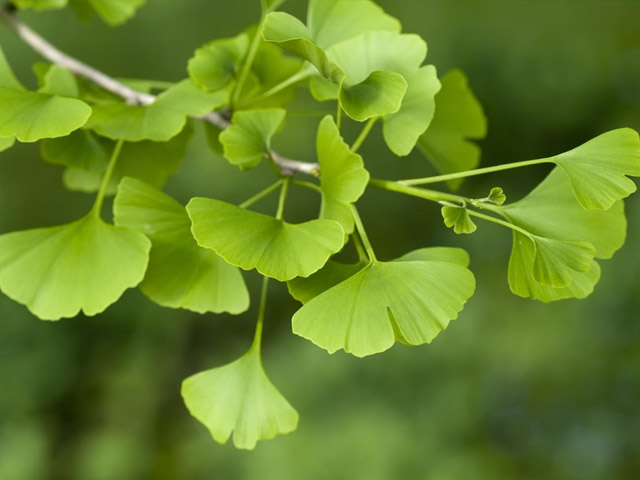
(180, 274)
(239, 398)
(408, 301)
(553, 260)
(275, 248)
(598, 169)
(82, 266)
(32, 116)
(158, 122)
(113, 12)
(217, 63)
(247, 141)
(343, 177)
(458, 119)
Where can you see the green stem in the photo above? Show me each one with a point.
(97, 206)
(309, 185)
(432, 195)
(339, 117)
(357, 243)
(363, 235)
(283, 198)
(261, 194)
(257, 338)
(364, 134)
(305, 72)
(497, 221)
(472, 173)
(255, 43)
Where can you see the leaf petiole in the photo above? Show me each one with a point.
(283, 198)
(306, 71)
(253, 50)
(363, 235)
(263, 193)
(97, 206)
(364, 134)
(257, 338)
(309, 185)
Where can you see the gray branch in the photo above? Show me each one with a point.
(131, 96)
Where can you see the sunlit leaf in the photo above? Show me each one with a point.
(343, 178)
(496, 196)
(459, 219)
(6, 143)
(379, 94)
(160, 121)
(59, 81)
(239, 398)
(458, 119)
(81, 266)
(40, 4)
(180, 274)
(333, 273)
(598, 169)
(551, 211)
(247, 140)
(216, 64)
(385, 302)
(275, 248)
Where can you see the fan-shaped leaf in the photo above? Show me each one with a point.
(59, 81)
(458, 118)
(6, 143)
(275, 248)
(82, 266)
(216, 64)
(379, 94)
(343, 178)
(113, 12)
(181, 274)
(408, 301)
(598, 169)
(248, 139)
(239, 398)
(459, 219)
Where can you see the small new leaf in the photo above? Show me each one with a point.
(496, 196)
(459, 219)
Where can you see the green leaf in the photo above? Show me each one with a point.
(275, 248)
(59, 81)
(216, 64)
(7, 77)
(86, 157)
(458, 119)
(598, 169)
(181, 274)
(333, 273)
(247, 141)
(551, 211)
(343, 177)
(496, 196)
(82, 266)
(379, 94)
(334, 21)
(239, 398)
(322, 89)
(291, 34)
(160, 121)
(113, 12)
(459, 219)
(40, 5)
(407, 301)
(6, 143)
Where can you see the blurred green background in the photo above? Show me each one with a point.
(513, 389)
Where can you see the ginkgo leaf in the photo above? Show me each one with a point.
(385, 302)
(379, 94)
(334, 21)
(551, 211)
(6, 143)
(180, 274)
(598, 169)
(239, 398)
(81, 266)
(333, 273)
(59, 81)
(556, 259)
(496, 196)
(39, 5)
(322, 89)
(459, 219)
(216, 64)
(160, 121)
(113, 12)
(343, 178)
(275, 248)
(458, 119)
(247, 141)
(86, 157)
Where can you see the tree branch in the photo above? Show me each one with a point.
(133, 97)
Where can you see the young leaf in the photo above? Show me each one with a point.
(216, 64)
(82, 266)
(496, 196)
(379, 94)
(275, 248)
(408, 301)
(158, 122)
(459, 219)
(59, 81)
(458, 119)
(551, 211)
(247, 141)
(180, 274)
(333, 273)
(239, 398)
(598, 169)
(343, 177)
